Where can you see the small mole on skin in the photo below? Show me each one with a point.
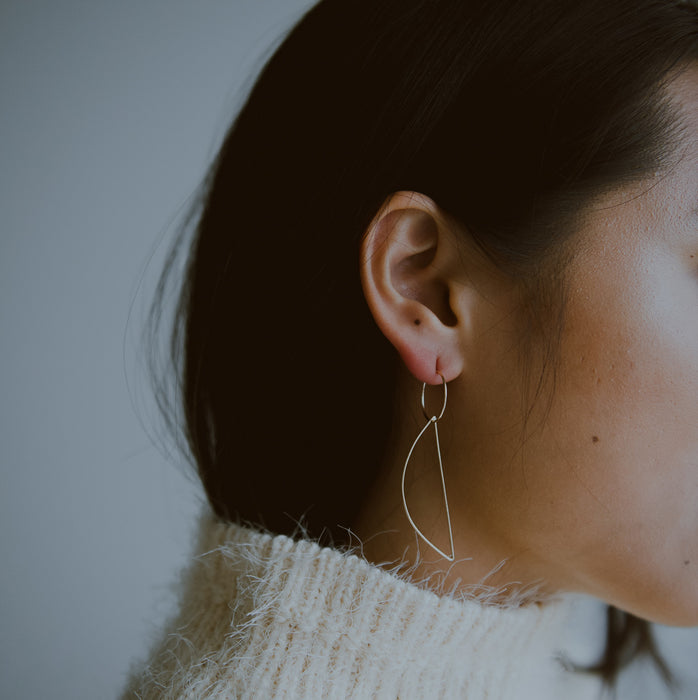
(687, 562)
(594, 438)
(417, 322)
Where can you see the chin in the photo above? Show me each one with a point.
(665, 600)
(672, 610)
(685, 619)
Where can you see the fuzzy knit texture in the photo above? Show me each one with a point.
(264, 616)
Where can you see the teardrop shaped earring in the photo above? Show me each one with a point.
(433, 420)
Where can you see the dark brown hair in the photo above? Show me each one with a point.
(511, 116)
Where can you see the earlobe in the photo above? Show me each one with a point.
(405, 261)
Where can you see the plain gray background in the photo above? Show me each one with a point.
(110, 114)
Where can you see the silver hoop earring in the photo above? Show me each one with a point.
(433, 420)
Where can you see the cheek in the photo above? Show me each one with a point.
(622, 433)
(629, 361)
(629, 373)
(598, 487)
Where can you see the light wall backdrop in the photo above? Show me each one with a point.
(110, 114)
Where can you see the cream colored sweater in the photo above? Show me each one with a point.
(266, 616)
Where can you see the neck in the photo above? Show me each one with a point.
(485, 564)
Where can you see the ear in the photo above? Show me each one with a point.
(408, 264)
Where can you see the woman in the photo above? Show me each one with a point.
(491, 207)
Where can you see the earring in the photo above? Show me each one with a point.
(433, 420)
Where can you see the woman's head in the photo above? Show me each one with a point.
(595, 484)
(514, 123)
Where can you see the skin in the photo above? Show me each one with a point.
(594, 486)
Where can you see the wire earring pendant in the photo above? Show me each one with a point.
(433, 420)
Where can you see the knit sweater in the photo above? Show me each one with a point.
(264, 616)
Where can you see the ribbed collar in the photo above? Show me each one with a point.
(305, 621)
